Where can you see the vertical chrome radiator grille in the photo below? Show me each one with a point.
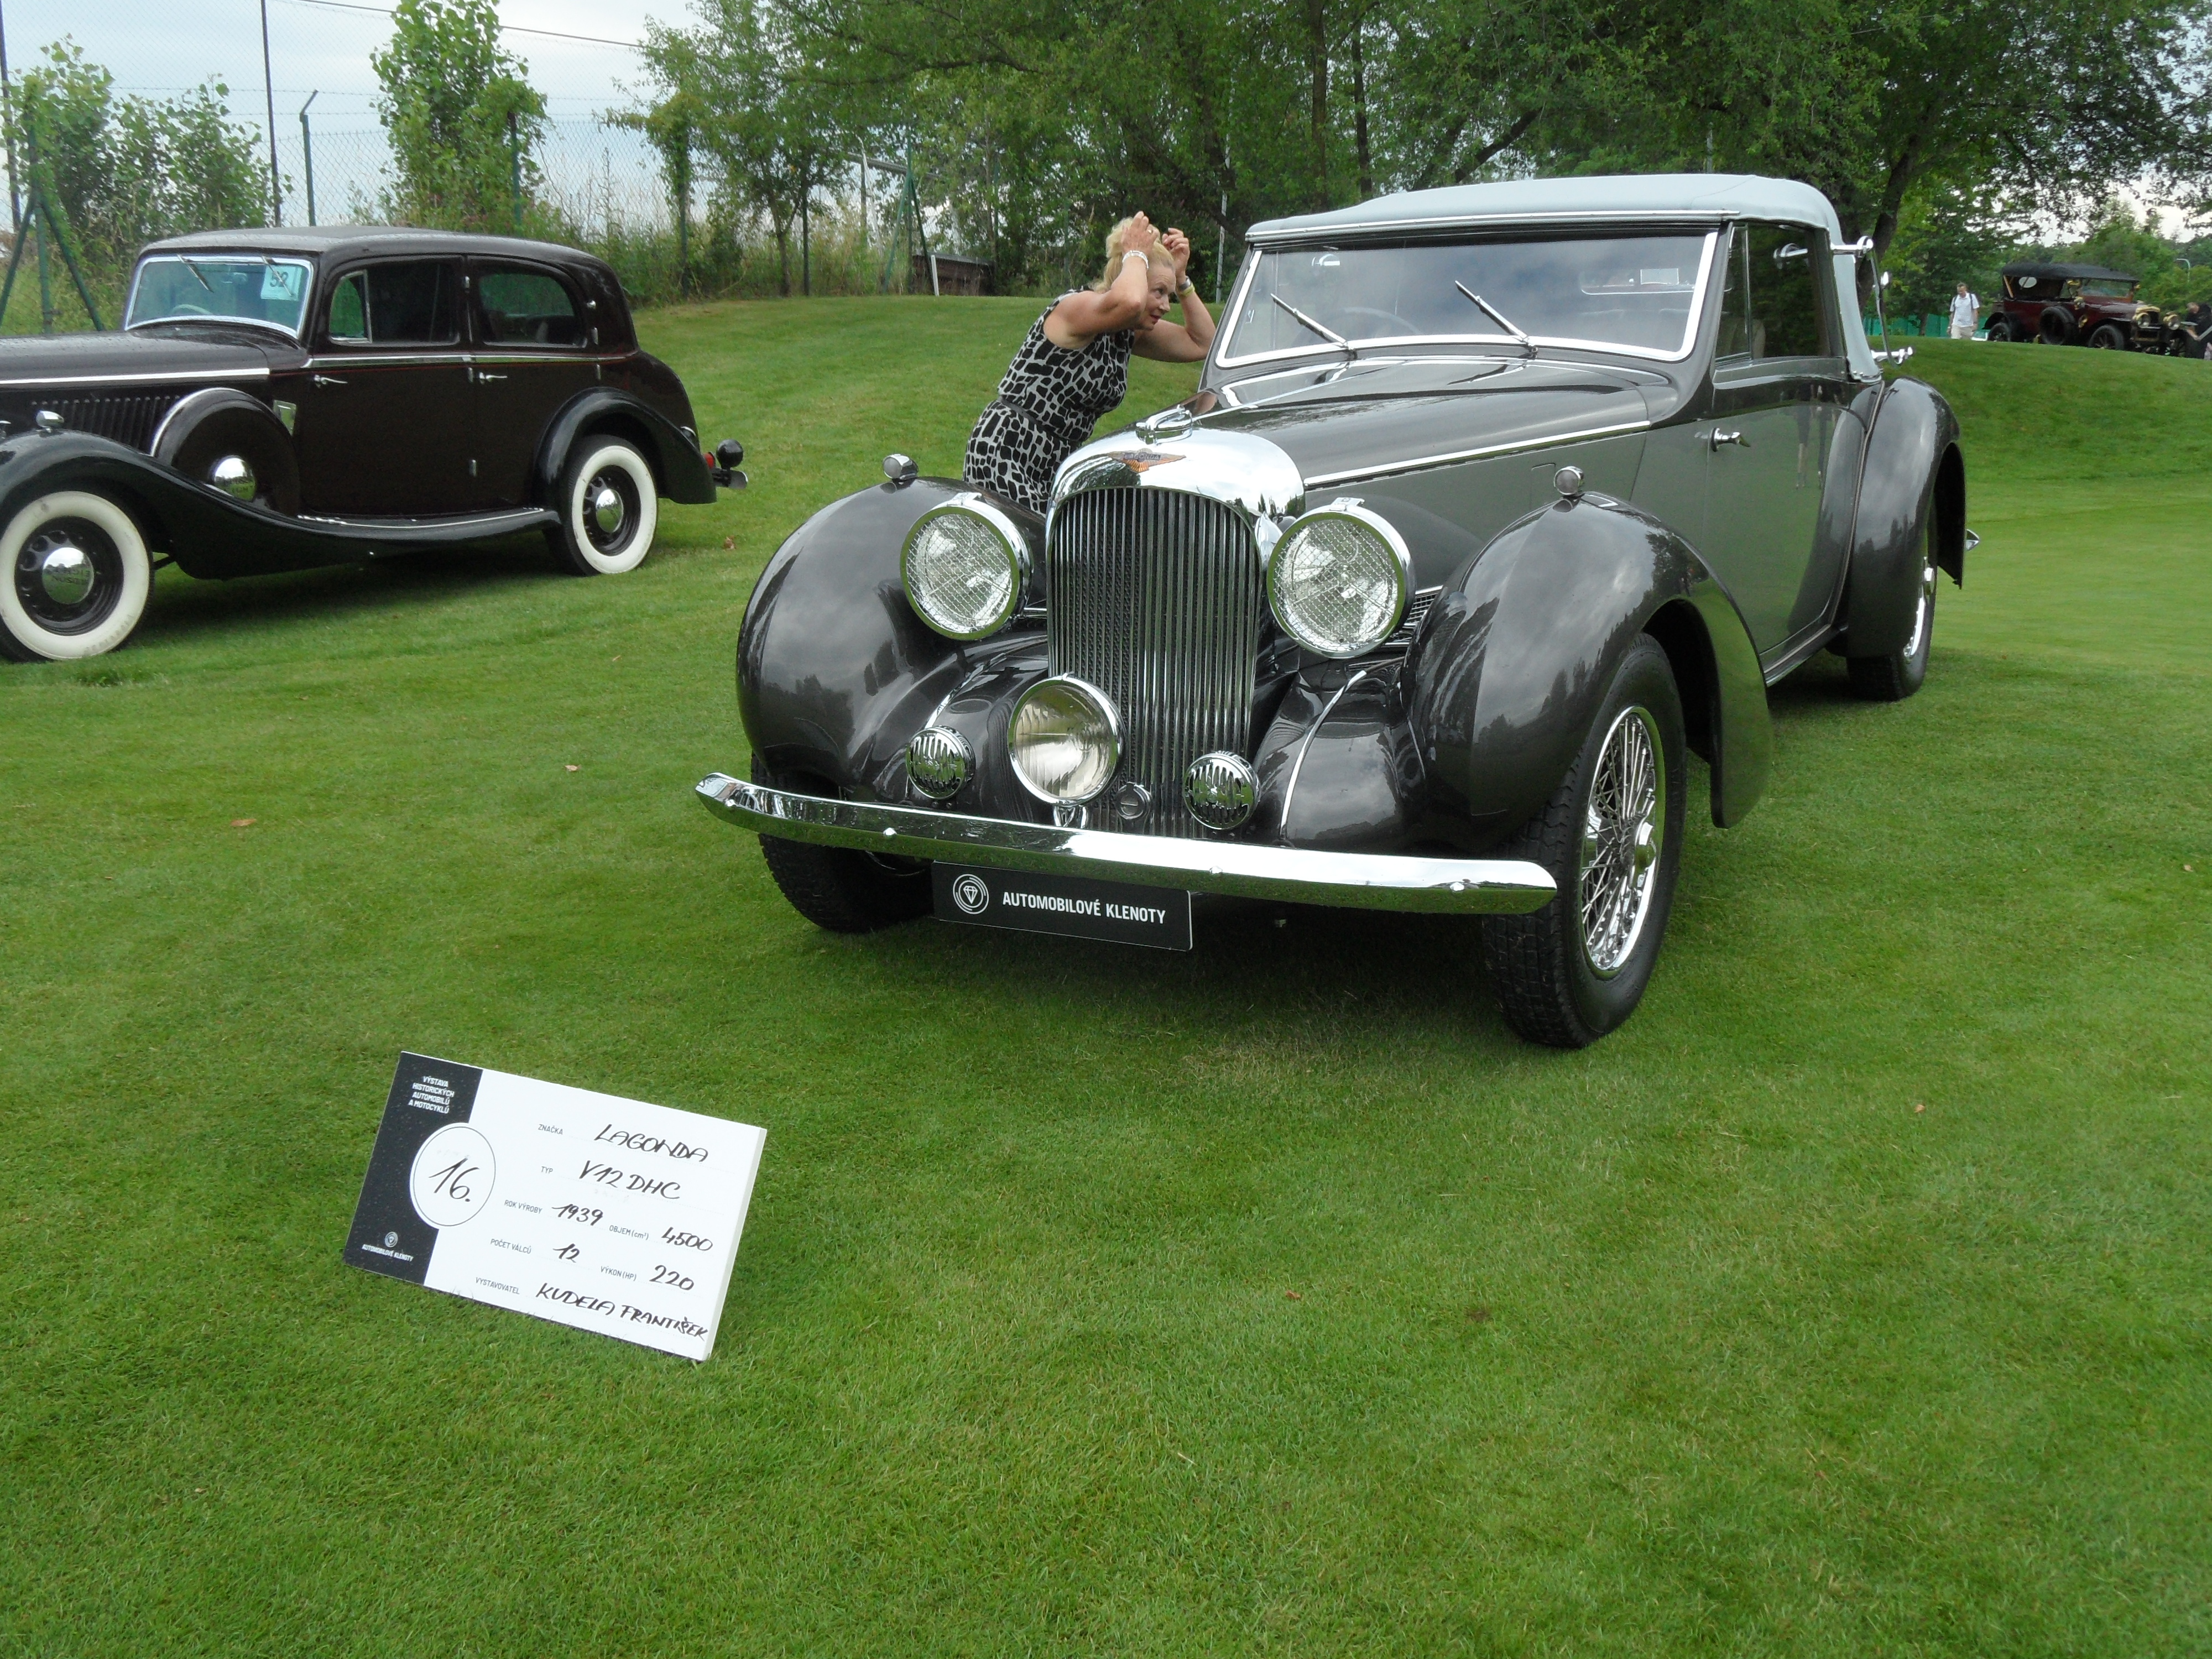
(1156, 600)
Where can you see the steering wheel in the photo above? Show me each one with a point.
(189, 311)
(1404, 327)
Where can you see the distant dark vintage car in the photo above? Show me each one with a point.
(1495, 503)
(279, 399)
(2079, 305)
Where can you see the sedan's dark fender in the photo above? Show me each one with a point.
(835, 670)
(1520, 646)
(218, 420)
(1913, 483)
(681, 470)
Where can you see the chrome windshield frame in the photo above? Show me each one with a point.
(1692, 332)
(306, 298)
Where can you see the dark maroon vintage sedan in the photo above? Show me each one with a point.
(279, 399)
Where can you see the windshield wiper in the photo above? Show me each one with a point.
(1499, 317)
(197, 271)
(1321, 329)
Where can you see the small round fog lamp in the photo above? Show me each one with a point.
(1064, 740)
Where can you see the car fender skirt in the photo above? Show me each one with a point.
(1368, 881)
(683, 471)
(1519, 649)
(1913, 483)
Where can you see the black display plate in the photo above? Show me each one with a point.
(1074, 907)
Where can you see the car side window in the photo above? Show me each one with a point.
(408, 302)
(518, 305)
(348, 314)
(1735, 303)
(1783, 266)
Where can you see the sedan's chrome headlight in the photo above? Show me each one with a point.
(1064, 740)
(964, 564)
(1339, 580)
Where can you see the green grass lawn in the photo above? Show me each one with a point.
(1852, 1299)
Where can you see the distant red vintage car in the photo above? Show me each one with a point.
(2078, 305)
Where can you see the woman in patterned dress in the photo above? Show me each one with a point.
(1074, 364)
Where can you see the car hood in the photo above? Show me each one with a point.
(68, 359)
(1340, 423)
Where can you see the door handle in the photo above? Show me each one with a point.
(1736, 438)
(328, 380)
(481, 375)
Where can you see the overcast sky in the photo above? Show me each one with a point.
(165, 45)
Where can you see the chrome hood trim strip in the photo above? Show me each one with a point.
(1366, 881)
(1415, 464)
(240, 374)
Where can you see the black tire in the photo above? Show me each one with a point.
(2109, 336)
(594, 542)
(74, 575)
(1555, 986)
(1894, 678)
(2057, 326)
(835, 887)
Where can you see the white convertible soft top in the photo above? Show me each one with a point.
(1647, 196)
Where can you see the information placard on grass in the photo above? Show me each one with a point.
(586, 1209)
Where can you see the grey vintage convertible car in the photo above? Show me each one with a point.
(1494, 505)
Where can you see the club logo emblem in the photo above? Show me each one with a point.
(390, 1239)
(971, 894)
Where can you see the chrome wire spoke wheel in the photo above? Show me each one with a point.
(1622, 829)
(1927, 603)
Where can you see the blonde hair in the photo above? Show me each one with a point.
(1159, 258)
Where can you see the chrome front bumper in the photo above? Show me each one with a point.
(1365, 881)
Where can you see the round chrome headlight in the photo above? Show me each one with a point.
(1065, 738)
(963, 564)
(1339, 580)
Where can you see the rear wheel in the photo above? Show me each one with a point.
(73, 578)
(609, 507)
(1896, 676)
(1611, 838)
(837, 887)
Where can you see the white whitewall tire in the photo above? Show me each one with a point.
(73, 578)
(609, 507)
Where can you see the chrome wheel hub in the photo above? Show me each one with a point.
(66, 573)
(607, 511)
(1621, 834)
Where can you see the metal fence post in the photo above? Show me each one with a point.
(8, 114)
(269, 92)
(307, 153)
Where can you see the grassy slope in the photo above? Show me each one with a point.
(1709, 1340)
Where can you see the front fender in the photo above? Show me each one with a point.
(1912, 481)
(677, 463)
(1519, 649)
(835, 670)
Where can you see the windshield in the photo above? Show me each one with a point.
(229, 287)
(2101, 288)
(1637, 294)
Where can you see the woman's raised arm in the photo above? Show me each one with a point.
(1082, 317)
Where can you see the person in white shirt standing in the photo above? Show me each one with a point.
(1966, 313)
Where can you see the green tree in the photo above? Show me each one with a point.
(457, 108)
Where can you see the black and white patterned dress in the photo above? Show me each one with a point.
(1046, 404)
